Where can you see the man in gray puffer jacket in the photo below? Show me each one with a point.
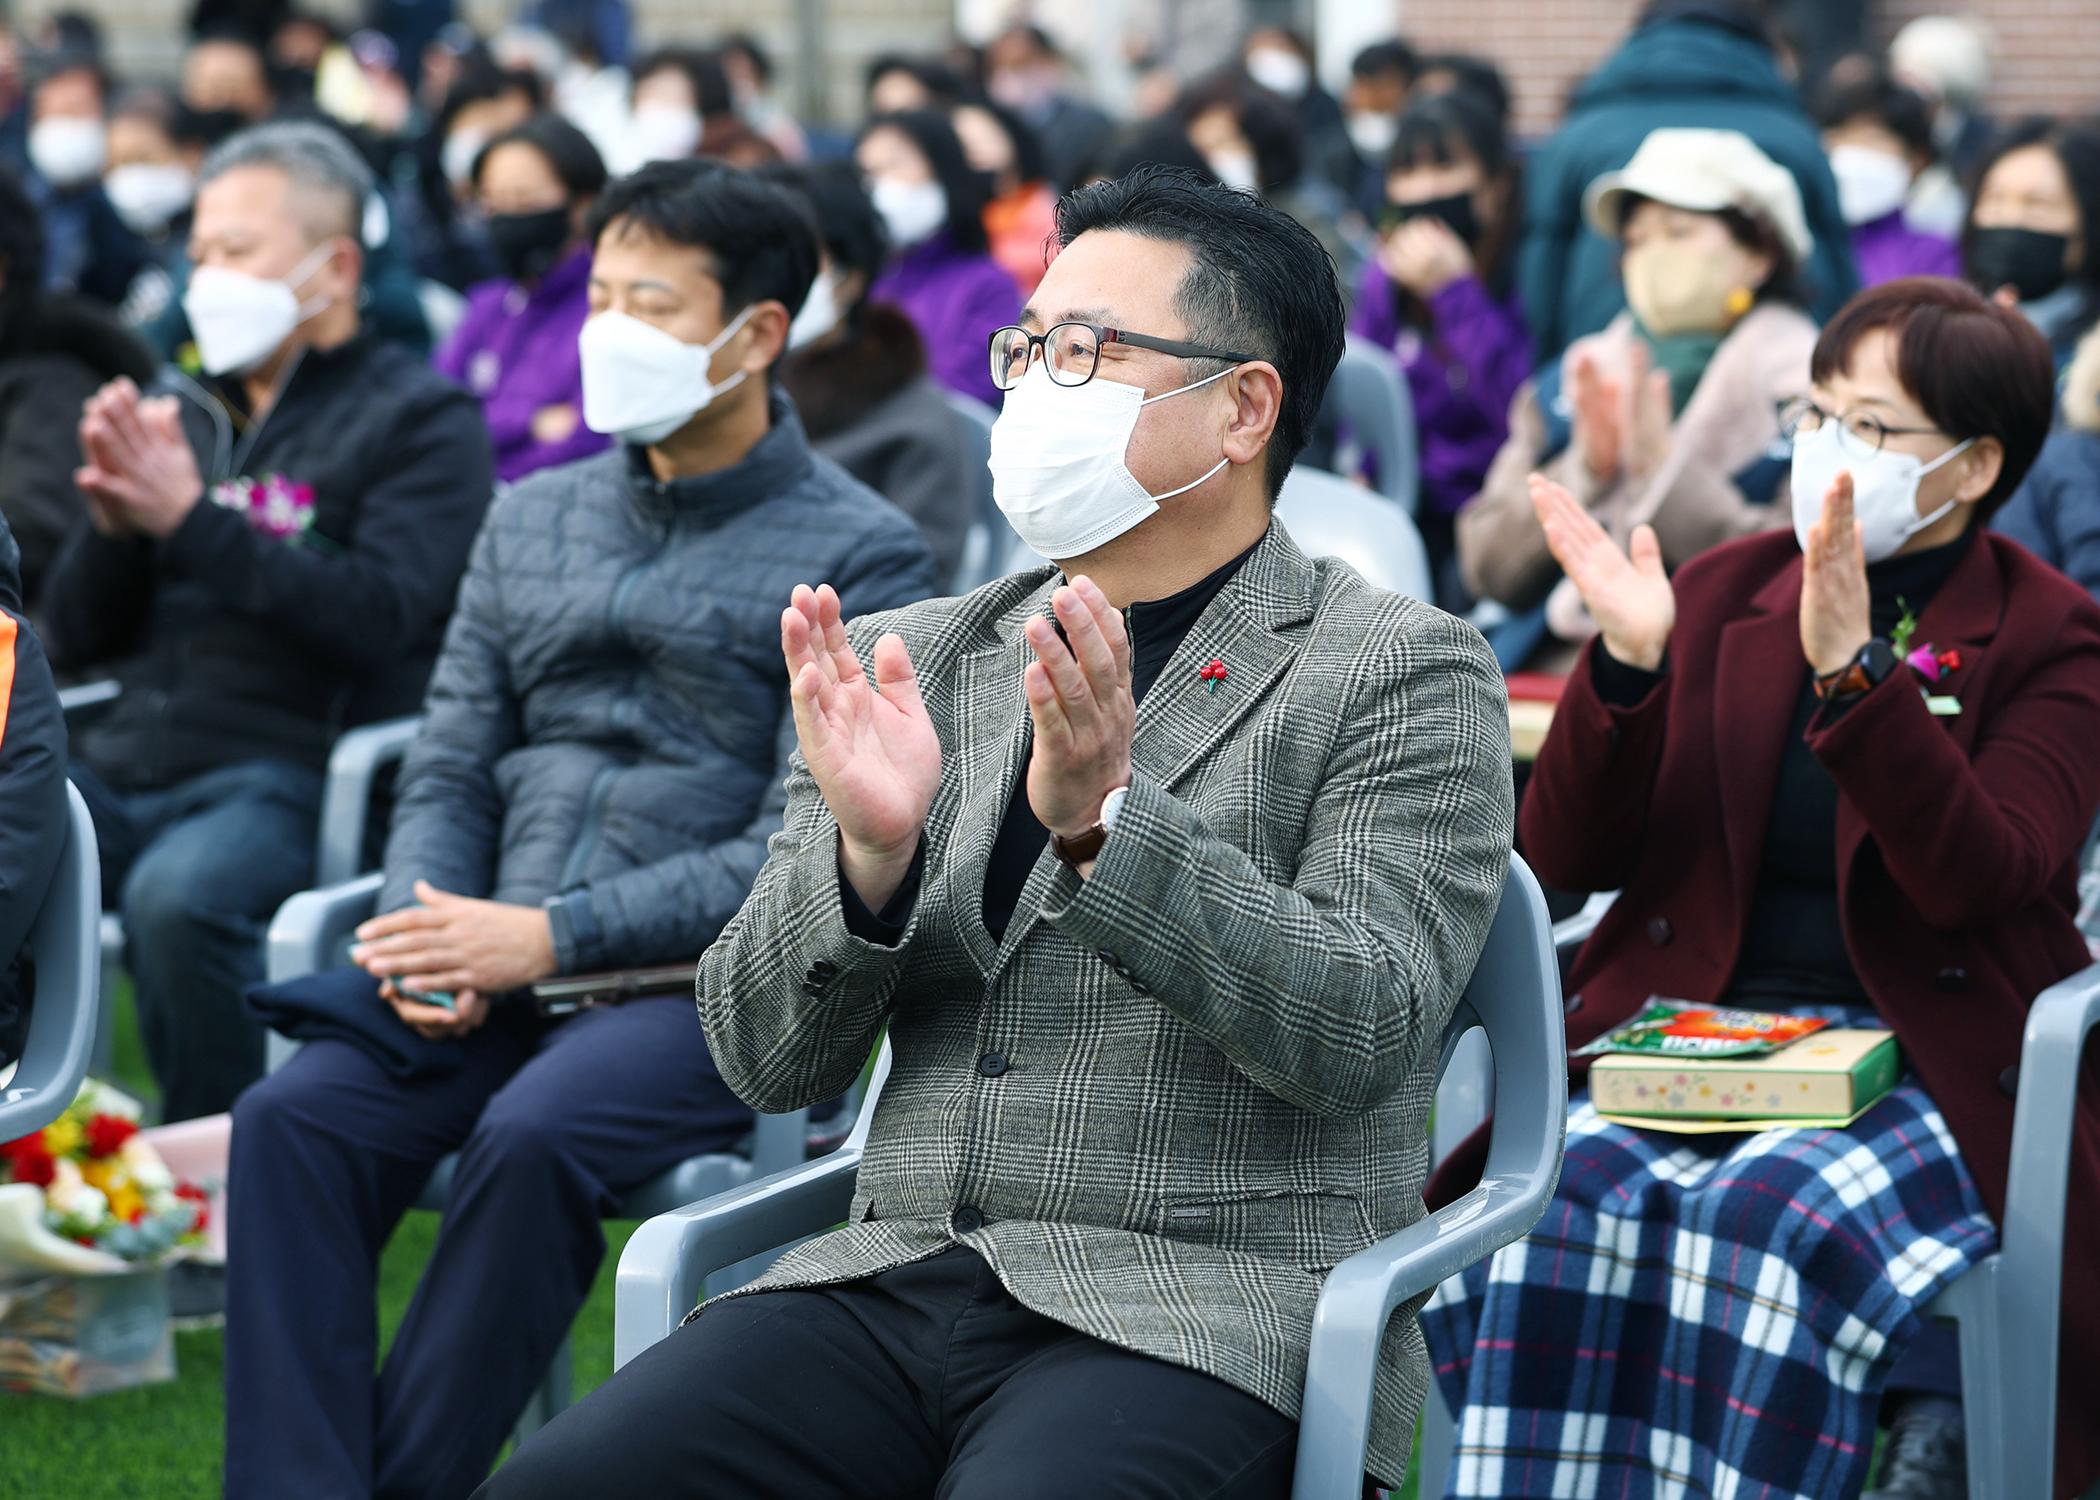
(600, 766)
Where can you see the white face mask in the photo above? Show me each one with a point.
(664, 132)
(457, 155)
(146, 194)
(240, 320)
(68, 149)
(1236, 169)
(819, 315)
(914, 211)
(1279, 70)
(1059, 469)
(641, 384)
(1884, 488)
(1371, 135)
(1871, 184)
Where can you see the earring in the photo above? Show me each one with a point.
(1740, 301)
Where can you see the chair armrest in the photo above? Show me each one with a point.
(668, 1258)
(346, 797)
(307, 927)
(1570, 933)
(67, 937)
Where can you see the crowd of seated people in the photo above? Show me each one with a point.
(582, 400)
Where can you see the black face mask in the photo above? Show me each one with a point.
(2028, 261)
(526, 246)
(1456, 211)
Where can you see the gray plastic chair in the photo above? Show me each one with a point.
(2006, 1309)
(346, 797)
(312, 931)
(65, 939)
(990, 543)
(1514, 995)
(1330, 517)
(1368, 401)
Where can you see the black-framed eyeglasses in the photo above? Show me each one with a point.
(1801, 418)
(1072, 351)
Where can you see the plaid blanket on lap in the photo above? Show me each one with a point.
(1705, 1315)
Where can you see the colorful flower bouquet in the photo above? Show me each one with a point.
(274, 505)
(89, 1218)
(87, 1194)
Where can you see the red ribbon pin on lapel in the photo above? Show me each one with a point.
(1213, 674)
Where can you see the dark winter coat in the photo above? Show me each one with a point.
(233, 643)
(608, 725)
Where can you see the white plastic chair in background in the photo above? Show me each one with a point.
(1331, 517)
(1374, 418)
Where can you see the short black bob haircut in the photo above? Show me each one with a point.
(930, 131)
(1977, 369)
(564, 148)
(759, 236)
(1259, 283)
(1880, 98)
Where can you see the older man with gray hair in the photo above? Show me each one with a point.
(276, 544)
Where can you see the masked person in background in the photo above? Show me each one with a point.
(601, 763)
(1020, 218)
(274, 549)
(88, 248)
(516, 348)
(445, 237)
(2028, 238)
(1439, 296)
(1669, 417)
(1880, 140)
(1023, 71)
(1841, 771)
(941, 273)
(1379, 78)
(856, 371)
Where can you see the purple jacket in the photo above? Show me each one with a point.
(1463, 371)
(956, 298)
(1889, 248)
(516, 352)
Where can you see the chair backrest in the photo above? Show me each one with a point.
(346, 796)
(990, 540)
(1374, 417)
(67, 941)
(1330, 517)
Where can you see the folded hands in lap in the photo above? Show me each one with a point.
(457, 945)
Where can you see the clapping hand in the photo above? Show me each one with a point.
(140, 476)
(1836, 617)
(1620, 423)
(1629, 597)
(459, 945)
(872, 750)
(1425, 256)
(1080, 700)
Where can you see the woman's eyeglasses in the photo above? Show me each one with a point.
(1801, 418)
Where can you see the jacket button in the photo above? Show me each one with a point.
(967, 1221)
(2009, 1082)
(1659, 931)
(1952, 980)
(823, 971)
(1111, 960)
(811, 988)
(992, 1064)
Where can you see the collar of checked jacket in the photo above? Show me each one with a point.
(1255, 625)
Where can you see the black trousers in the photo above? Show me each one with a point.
(929, 1380)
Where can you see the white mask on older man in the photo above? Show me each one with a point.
(238, 320)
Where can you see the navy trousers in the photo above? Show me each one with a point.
(552, 1122)
(198, 869)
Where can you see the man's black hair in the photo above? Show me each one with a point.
(1878, 97)
(483, 79)
(1385, 60)
(932, 75)
(851, 229)
(1260, 283)
(931, 131)
(1471, 75)
(759, 236)
(565, 148)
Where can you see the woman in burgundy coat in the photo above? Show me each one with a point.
(1796, 826)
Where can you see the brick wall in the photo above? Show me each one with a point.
(2048, 60)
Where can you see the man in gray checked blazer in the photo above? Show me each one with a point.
(1150, 1081)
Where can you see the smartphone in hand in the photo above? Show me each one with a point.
(440, 998)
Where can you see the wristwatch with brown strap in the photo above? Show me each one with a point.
(1077, 851)
(1869, 669)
